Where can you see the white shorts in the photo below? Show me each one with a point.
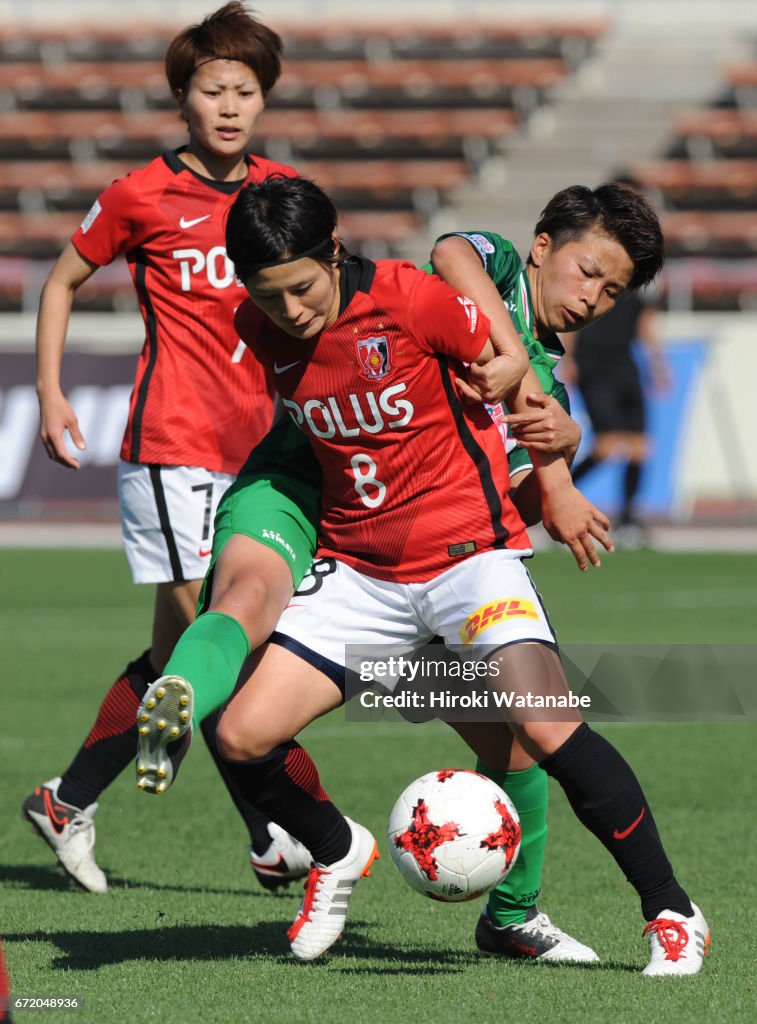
(167, 515)
(484, 603)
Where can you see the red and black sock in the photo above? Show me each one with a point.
(607, 798)
(112, 741)
(286, 786)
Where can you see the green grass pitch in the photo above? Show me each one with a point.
(186, 935)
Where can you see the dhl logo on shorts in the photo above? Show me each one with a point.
(496, 611)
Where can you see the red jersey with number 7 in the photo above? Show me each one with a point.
(414, 480)
(199, 398)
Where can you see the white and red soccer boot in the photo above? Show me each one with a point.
(320, 919)
(678, 944)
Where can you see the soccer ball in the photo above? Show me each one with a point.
(454, 835)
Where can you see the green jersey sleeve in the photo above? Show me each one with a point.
(500, 260)
(503, 265)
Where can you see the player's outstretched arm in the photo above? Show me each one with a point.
(55, 413)
(501, 365)
(548, 427)
(567, 515)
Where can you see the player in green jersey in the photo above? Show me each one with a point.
(511, 924)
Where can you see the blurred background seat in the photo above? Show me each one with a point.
(403, 117)
(705, 185)
(391, 117)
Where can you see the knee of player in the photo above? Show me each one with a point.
(540, 738)
(250, 600)
(238, 742)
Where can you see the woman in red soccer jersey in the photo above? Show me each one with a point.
(199, 400)
(368, 358)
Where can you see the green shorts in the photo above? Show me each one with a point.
(275, 500)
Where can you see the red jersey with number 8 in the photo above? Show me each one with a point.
(199, 398)
(414, 480)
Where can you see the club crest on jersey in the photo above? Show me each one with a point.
(373, 355)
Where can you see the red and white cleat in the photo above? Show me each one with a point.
(320, 919)
(285, 860)
(69, 831)
(678, 944)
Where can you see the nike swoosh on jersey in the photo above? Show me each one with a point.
(184, 224)
(283, 369)
(204, 554)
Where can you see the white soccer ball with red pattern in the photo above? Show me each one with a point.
(454, 835)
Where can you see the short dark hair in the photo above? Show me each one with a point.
(277, 219)
(619, 211)
(230, 33)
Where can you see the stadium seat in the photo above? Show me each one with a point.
(35, 186)
(37, 235)
(715, 133)
(30, 242)
(707, 184)
(362, 83)
(417, 83)
(89, 85)
(570, 41)
(328, 40)
(88, 134)
(55, 185)
(375, 233)
(283, 134)
(341, 134)
(742, 83)
(21, 278)
(710, 284)
(390, 116)
(27, 237)
(132, 40)
(471, 38)
(706, 190)
(385, 184)
(718, 234)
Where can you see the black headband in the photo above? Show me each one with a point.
(316, 249)
(208, 60)
(203, 62)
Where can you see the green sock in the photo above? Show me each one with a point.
(209, 655)
(511, 900)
